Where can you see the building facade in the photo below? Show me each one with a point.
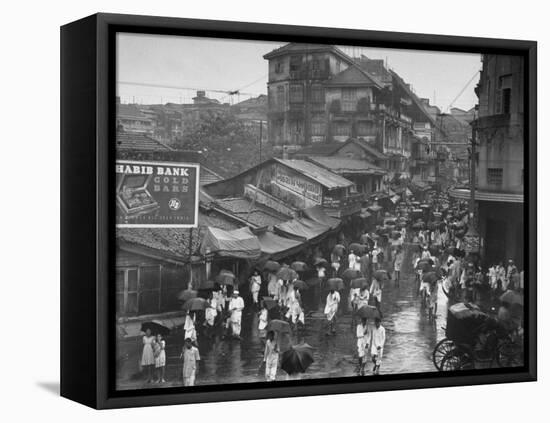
(499, 159)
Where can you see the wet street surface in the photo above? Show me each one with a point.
(410, 340)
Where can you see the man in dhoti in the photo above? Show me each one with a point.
(333, 300)
(378, 339)
(363, 338)
(191, 357)
(236, 306)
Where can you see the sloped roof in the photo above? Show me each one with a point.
(237, 243)
(130, 111)
(301, 229)
(327, 179)
(347, 165)
(276, 246)
(256, 214)
(306, 48)
(366, 147)
(135, 141)
(353, 76)
(207, 176)
(318, 149)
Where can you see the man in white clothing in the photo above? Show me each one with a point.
(236, 306)
(378, 339)
(363, 337)
(333, 300)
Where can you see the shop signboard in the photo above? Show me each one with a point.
(156, 194)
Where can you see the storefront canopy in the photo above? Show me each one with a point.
(303, 229)
(277, 247)
(238, 243)
(318, 215)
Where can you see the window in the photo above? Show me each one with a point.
(365, 128)
(317, 94)
(279, 66)
(317, 128)
(504, 94)
(280, 97)
(127, 290)
(494, 176)
(295, 63)
(349, 99)
(342, 128)
(296, 93)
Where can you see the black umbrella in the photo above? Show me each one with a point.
(381, 275)
(297, 359)
(287, 274)
(187, 294)
(301, 285)
(351, 274)
(512, 297)
(155, 328)
(269, 302)
(335, 284)
(338, 250)
(319, 261)
(272, 266)
(195, 304)
(279, 326)
(429, 277)
(358, 283)
(299, 266)
(226, 277)
(356, 248)
(369, 312)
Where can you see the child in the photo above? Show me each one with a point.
(190, 356)
(160, 358)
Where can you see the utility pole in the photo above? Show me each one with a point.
(261, 134)
(472, 176)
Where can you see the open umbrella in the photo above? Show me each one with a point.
(369, 312)
(396, 235)
(287, 274)
(335, 283)
(339, 250)
(187, 294)
(512, 297)
(429, 277)
(299, 266)
(279, 326)
(381, 275)
(356, 248)
(297, 359)
(269, 303)
(271, 266)
(155, 328)
(424, 264)
(319, 261)
(301, 285)
(358, 283)
(195, 304)
(226, 277)
(350, 274)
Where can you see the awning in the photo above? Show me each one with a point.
(238, 243)
(302, 229)
(318, 215)
(277, 247)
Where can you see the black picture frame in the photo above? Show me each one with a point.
(87, 208)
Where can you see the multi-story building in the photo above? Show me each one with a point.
(499, 158)
(130, 118)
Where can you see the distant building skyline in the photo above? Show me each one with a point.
(219, 66)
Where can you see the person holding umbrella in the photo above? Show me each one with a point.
(378, 339)
(236, 306)
(363, 334)
(271, 357)
(331, 307)
(147, 356)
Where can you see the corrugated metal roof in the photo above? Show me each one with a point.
(256, 214)
(347, 165)
(208, 176)
(322, 176)
(367, 147)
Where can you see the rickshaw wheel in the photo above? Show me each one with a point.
(457, 360)
(509, 354)
(443, 348)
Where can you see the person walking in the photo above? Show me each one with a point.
(255, 286)
(236, 306)
(271, 357)
(189, 328)
(147, 356)
(397, 263)
(191, 357)
(160, 358)
(331, 307)
(376, 293)
(378, 339)
(363, 335)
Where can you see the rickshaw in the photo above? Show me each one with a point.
(472, 336)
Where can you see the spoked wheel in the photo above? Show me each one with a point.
(441, 350)
(509, 354)
(457, 359)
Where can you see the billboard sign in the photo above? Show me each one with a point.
(156, 194)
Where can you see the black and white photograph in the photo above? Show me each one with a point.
(291, 211)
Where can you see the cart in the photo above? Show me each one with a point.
(472, 336)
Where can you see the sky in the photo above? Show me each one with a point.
(221, 65)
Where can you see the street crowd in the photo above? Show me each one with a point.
(350, 278)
